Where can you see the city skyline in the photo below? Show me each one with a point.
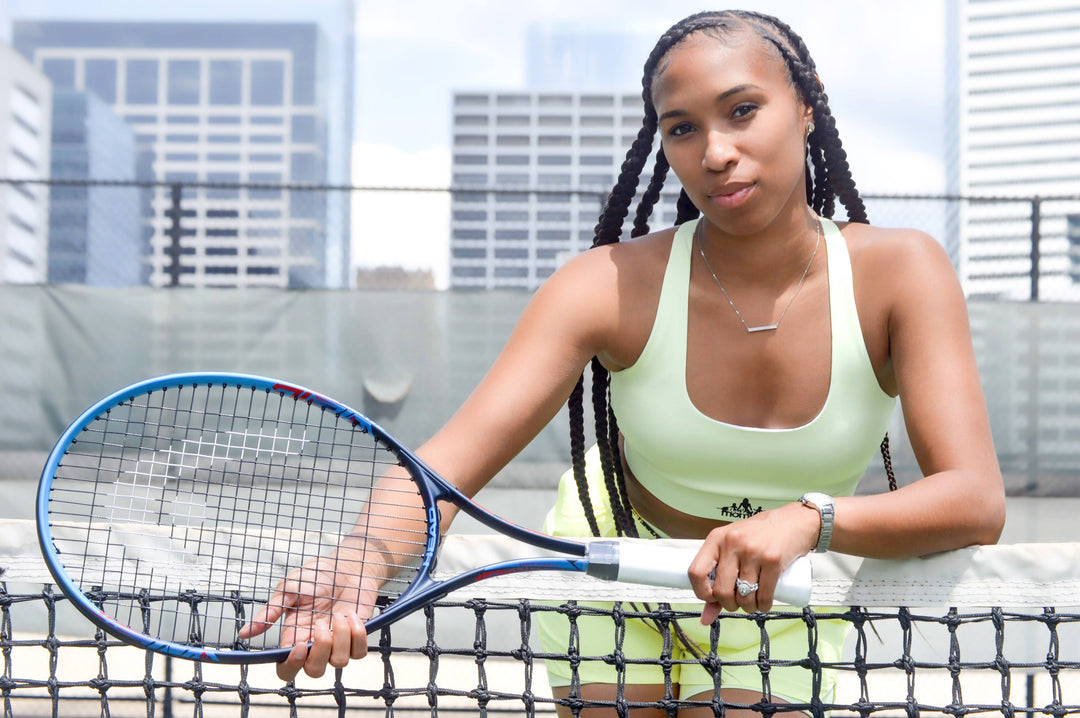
(886, 84)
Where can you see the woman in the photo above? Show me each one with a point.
(773, 343)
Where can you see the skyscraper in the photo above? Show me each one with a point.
(1016, 105)
(567, 145)
(93, 230)
(222, 103)
(25, 116)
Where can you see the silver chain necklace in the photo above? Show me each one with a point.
(763, 327)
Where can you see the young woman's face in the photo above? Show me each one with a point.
(732, 129)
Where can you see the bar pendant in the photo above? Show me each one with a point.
(763, 328)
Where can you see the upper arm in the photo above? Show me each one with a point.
(933, 361)
(563, 326)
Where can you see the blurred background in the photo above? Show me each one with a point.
(361, 196)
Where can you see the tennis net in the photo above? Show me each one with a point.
(985, 631)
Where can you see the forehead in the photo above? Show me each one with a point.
(707, 63)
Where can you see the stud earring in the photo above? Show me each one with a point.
(809, 128)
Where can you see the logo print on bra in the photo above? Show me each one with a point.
(742, 510)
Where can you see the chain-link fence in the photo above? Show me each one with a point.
(206, 234)
(410, 357)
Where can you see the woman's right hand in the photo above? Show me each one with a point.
(322, 607)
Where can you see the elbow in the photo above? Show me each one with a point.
(991, 520)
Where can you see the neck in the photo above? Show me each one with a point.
(773, 257)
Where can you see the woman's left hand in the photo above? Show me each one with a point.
(755, 551)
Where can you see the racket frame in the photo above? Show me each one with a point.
(432, 488)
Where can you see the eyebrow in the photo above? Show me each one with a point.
(719, 98)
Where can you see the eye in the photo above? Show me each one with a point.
(743, 109)
(680, 129)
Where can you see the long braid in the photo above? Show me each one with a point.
(651, 195)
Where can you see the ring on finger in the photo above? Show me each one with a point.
(745, 588)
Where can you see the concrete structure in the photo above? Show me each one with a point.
(568, 146)
(222, 103)
(1016, 108)
(25, 117)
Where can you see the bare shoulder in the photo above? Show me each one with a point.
(898, 262)
(611, 293)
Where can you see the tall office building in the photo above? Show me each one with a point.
(568, 146)
(93, 230)
(560, 56)
(222, 103)
(25, 116)
(1016, 104)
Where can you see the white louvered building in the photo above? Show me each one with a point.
(1016, 99)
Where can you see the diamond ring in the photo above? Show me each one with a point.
(745, 588)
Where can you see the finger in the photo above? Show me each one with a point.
(319, 653)
(768, 578)
(710, 613)
(747, 586)
(359, 637)
(341, 641)
(723, 589)
(293, 663)
(282, 599)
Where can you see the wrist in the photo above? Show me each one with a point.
(825, 507)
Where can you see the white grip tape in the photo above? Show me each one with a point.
(667, 566)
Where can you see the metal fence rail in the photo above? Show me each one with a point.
(214, 234)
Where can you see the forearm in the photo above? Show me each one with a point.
(944, 511)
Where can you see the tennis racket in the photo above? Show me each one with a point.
(171, 510)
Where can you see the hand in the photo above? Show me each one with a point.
(325, 603)
(755, 550)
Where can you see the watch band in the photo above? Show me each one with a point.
(825, 506)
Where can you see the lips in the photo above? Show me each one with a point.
(731, 195)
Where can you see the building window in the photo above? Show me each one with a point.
(511, 159)
(553, 140)
(597, 101)
(554, 120)
(556, 100)
(471, 101)
(469, 253)
(512, 140)
(304, 128)
(101, 78)
(470, 140)
(513, 101)
(512, 272)
(597, 121)
(61, 72)
(549, 160)
(512, 120)
(226, 82)
(183, 82)
(267, 82)
(142, 82)
(471, 120)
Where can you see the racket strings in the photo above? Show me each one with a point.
(180, 511)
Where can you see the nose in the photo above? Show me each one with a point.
(720, 152)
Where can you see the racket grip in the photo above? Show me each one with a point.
(657, 565)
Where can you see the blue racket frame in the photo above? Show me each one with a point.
(432, 487)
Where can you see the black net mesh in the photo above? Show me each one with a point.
(466, 658)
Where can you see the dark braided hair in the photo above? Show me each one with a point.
(828, 179)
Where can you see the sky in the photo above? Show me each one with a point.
(882, 64)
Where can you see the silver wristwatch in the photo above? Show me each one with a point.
(827, 508)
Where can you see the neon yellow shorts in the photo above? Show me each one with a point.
(740, 641)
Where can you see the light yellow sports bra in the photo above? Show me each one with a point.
(709, 468)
